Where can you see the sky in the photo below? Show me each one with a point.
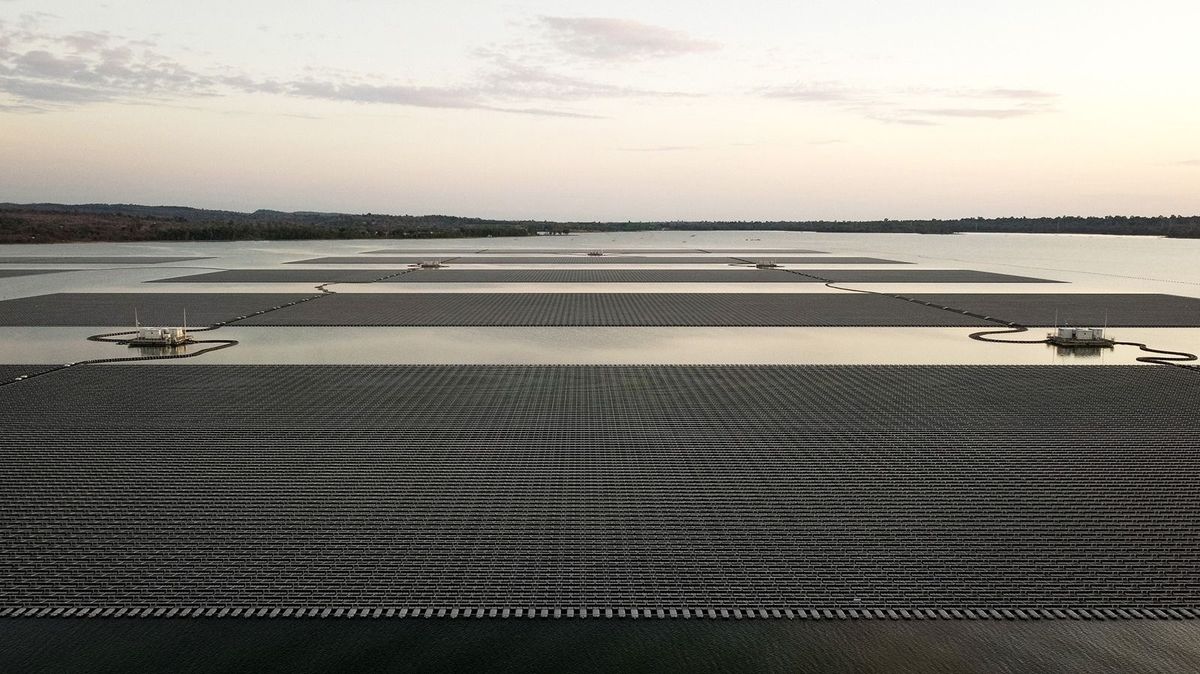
(590, 110)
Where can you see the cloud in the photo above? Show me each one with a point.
(813, 92)
(40, 68)
(514, 79)
(978, 113)
(608, 39)
(917, 106)
(1026, 94)
(391, 94)
(660, 148)
(43, 71)
(25, 109)
(904, 121)
(1188, 162)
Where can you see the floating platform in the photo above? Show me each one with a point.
(293, 275)
(711, 276)
(586, 259)
(117, 309)
(11, 372)
(600, 309)
(723, 309)
(94, 259)
(718, 492)
(1045, 310)
(12, 273)
(580, 251)
(608, 309)
(460, 275)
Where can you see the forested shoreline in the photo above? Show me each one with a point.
(57, 223)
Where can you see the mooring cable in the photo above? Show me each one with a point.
(114, 337)
(1171, 358)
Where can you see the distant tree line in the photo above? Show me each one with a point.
(29, 223)
(1175, 226)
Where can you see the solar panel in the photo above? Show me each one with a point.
(510, 490)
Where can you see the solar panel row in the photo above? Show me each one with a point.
(606, 489)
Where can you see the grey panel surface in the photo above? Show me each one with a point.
(11, 372)
(82, 259)
(817, 260)
(742, 252)
(585, 259)
(612, 309)
(731, 309)
(10, 273)
(377, 259)
(681, 488)
(284, 276)
(117, 309)
(1049, 309)
(583, 251)
(519, 259)
(430, 251)
(459, 275)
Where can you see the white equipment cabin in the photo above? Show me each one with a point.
(159, 336)
(1079, 337)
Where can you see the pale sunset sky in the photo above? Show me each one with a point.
(606, 110)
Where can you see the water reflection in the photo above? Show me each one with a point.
(156, 351)
(1084, 352)
(1091, 264)
(593, 345)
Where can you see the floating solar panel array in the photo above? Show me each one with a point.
(312, 276)
(1080, 309)
(586, 259)
(602, 251)
(599, 309)
(600, 491)
(9, 373)
(719, 491)
(94, 259)
(119, 309)
(460, 275)
(725, 309)
(608, 309)
(11, 273)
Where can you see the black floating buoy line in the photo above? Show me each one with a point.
(1172, 358)
(123, 336)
